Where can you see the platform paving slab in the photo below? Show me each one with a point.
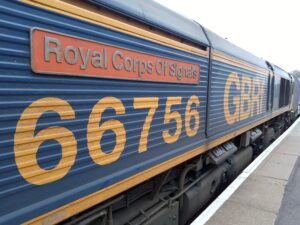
(290, 145)
(262, 193)
(235, 213)
(271, 195)
(278, 166)
(289, 213)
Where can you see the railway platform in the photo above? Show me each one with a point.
(266, 192)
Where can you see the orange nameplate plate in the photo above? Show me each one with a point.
(59, 54)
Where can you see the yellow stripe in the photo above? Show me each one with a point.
(86, 202)
(81, 11)
(219, 56)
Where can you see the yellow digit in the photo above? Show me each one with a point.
(172, 116)
(96, 131)
(145, 103)
(26, 143)
(192, 113)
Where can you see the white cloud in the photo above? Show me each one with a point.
(269, 29)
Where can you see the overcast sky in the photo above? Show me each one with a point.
(269, 29)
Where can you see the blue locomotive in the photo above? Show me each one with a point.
(124, 112)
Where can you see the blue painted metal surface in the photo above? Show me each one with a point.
(276, 92)
(218, 126)
(21, 200)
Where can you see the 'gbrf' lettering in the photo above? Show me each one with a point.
(247, 99)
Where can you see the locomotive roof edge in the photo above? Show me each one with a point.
(149, 12)
(281, 72)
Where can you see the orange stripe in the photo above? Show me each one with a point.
(77, 9)
(222, 57)
(86, 202)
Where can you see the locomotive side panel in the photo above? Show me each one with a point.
(239, 88)
(238, 95)
(65, 137)
(282, 88)
(276, 92)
